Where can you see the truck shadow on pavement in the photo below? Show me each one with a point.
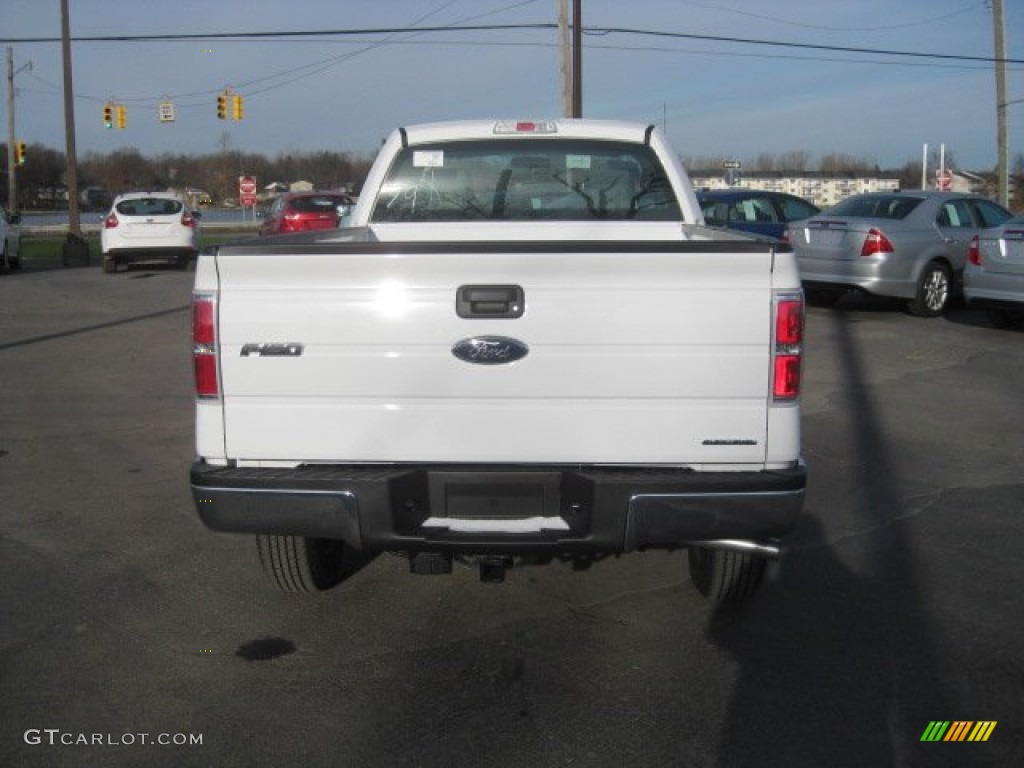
(838, 665)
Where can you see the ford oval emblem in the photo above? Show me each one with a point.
(490, 350)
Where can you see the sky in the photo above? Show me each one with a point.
(345, 93)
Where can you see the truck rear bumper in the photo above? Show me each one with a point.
(501, 509)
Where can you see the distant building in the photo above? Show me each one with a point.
(821, 188)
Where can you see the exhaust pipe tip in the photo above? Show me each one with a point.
(770, 548)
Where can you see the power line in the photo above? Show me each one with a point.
(286, 35)
(279, 34)
(825, 28)
(806, 46)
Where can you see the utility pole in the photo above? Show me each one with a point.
(12, 138)
(1003, 166)
(12, 178)
(76, 249)
(563, 44)
(577, 58)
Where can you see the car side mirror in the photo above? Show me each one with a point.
(197, 214)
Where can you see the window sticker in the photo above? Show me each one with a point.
(428, 158)
(578, 161)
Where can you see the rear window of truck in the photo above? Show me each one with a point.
(517, 180)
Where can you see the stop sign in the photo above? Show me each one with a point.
(247, 190)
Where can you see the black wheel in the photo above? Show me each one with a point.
(1005, 318)
(725, 577)
(300, 564)
(933, 291)
(14, 259)
(822, 297)
(109, 265)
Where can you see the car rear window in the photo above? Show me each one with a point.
(989, 214)
(149, 206)
(518, 180)
(880, 207)
(317, 204)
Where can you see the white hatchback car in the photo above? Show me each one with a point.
(146, 226)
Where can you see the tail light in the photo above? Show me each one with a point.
(188, 220)
(292, 222)
(788, 353)
(974, 252)
(876, 242)
(110, 222)
(204, 345)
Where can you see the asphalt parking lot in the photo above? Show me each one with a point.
(125, 624)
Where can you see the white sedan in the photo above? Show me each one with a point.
(146, 226)
(10, 242)
(994, 273)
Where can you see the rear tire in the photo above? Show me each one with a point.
(1004, 318)
(109, 265)
(934, 288)
(823, 297)
(300, 564)
(726, 577)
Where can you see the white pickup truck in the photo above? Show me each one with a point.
(525, 347)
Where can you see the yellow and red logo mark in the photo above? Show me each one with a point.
(958, 730)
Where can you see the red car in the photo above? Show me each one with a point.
(303, 211)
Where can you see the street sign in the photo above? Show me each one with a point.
(166, 112)
(944, 179)
(731, 164)
(247, 190)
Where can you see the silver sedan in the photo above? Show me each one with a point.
(994, 275)
(908, 245)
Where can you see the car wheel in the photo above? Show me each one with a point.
(724, 576)
(1004, 318)
(300, 564)
(4, 268)
(109, 265)
(822, 297)
(14, 259)
(933, 291)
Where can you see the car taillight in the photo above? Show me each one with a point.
(788, 353)
(204, 345)
(876, 242)
(188, 220)
(110, 222)
(974, 252)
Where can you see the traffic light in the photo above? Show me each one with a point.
(122, 116)
(237, 107)
(108, 115)
(19, 153)
(222, 106)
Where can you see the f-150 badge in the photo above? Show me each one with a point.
(490, 350)
(272, 350)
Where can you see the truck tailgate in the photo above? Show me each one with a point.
(638, 352)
